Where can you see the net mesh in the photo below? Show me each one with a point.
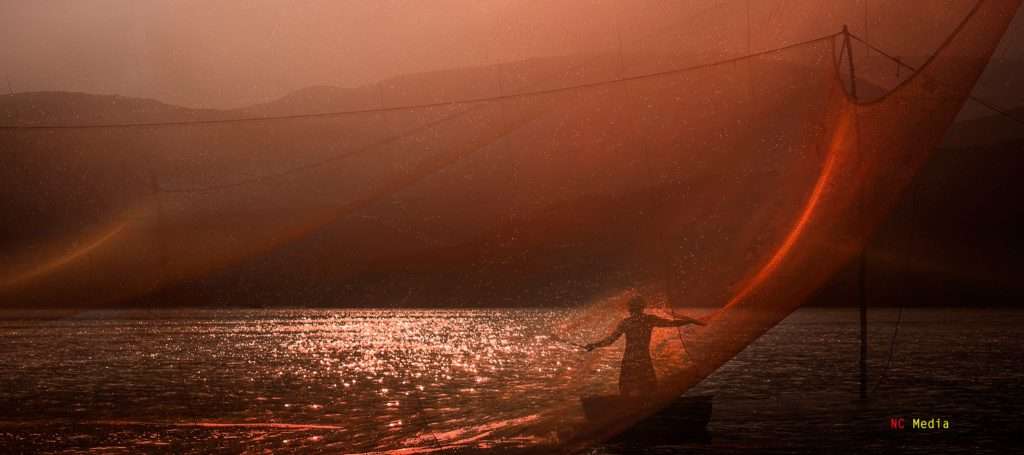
(737, 184)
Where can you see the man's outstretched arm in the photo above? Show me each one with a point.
(607, 340)
(677, 322)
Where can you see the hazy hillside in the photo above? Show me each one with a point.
(68, 180)
(68, 108)
(49, 108)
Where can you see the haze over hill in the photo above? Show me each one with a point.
(103, 173)
(83, 178)
(235, 54)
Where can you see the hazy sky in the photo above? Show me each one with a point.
(206, 53)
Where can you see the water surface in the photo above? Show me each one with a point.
(342, 381)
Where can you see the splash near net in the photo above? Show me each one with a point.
(734, 179)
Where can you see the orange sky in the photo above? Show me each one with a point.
(235, 53)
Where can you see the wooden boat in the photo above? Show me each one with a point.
(680, 420)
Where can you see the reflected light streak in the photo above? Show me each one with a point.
(62, 261)
(805, 216)
(202, 424)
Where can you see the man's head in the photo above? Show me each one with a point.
(636, 305)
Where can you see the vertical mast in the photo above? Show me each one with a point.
(862, 260)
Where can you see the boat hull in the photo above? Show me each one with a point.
(682, 420)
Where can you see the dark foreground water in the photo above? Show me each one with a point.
(334, 381)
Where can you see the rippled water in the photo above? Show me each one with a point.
(360, 381)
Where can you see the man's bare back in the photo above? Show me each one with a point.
(637, 376)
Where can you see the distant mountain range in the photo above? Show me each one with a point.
(71, 108)
(958, 214)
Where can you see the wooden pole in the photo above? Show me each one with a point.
(862, 260)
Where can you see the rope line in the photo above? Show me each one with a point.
(913, 195)
(315, 164)
(899, 316)
(892, 351)
(900, 63)
(994, 108)
(344, 113)
(318, 164)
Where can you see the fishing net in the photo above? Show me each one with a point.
(728, 179)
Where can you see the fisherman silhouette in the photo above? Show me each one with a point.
(636, 376)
